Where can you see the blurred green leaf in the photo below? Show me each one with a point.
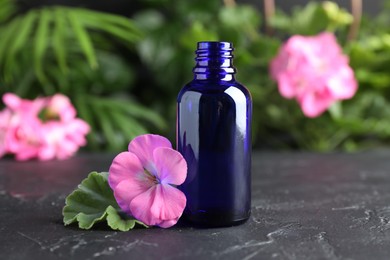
(336, 15)
(148, 20)
(25, 28)
(312, 19)
(239, 17)
(6, 34)
(83, 39)
(336, 110)
(40, 47)
(120, 27)
(197, 33)
(59, 44)
(7, 9)
(117, 120)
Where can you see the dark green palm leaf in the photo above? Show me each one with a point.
(118, 26)
(128, 126)
(24, 30)
(109, 19)
(59, 39)
(7, 9)
(85, 112)
(83, 39)
(41, 44)
(6, 35)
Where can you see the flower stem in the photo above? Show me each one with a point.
(229, 3)
(269, 12)
(356, 6)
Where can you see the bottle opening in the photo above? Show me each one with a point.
(228, 46)
(214, 60)
(214, 49)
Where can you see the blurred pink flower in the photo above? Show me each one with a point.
(144, 178)
(44, 128)
(64, 136)
(22, 132)
(60, 105)
(23, 107)
(62, 140)
(5, 120)
(313, 70)
(25, 139)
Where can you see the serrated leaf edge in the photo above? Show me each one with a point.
(104, 216)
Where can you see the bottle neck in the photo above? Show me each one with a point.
(214, 61)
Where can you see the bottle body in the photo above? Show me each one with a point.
(214, 136)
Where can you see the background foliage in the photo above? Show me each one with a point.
(123, 74)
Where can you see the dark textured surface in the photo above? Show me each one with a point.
(304, 206)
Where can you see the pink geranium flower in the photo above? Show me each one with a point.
(314, 71)
(63, 136)
(144, 179)
(5, 121)
(22, 132)
(60, 105)
(62, 140)
(45, 128)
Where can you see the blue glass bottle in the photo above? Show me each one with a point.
(214, 114)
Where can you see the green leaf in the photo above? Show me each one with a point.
(129, 127)
(20, 40)
(7, 9)
(41, 44)
(112, 137)
(120, 27)
(85, 113)
(149, 20)
(59, 45)
(335, 110)
(310, 20)
(108, 18)
(93, 202)
(116, 222)
(336, 15)
(84, 39)
(239, 17)
(6, 35)
(134, 109)
(197, 33)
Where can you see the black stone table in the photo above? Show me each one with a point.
(304, 206)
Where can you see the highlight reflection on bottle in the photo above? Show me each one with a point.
(214, 114)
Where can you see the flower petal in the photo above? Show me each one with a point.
(144, 145)
(140, 207)
(343, 84)
(126, 191)
(124, 166)
(12, 101)
(171, 166)
(169, 202)
(314, 104)
(286, 86)
(168, 223)
(160, 205)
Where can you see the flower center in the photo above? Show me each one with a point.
(150, 177)
(47, 114)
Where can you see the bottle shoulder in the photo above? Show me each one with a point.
(227, 93)
(214, 88)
